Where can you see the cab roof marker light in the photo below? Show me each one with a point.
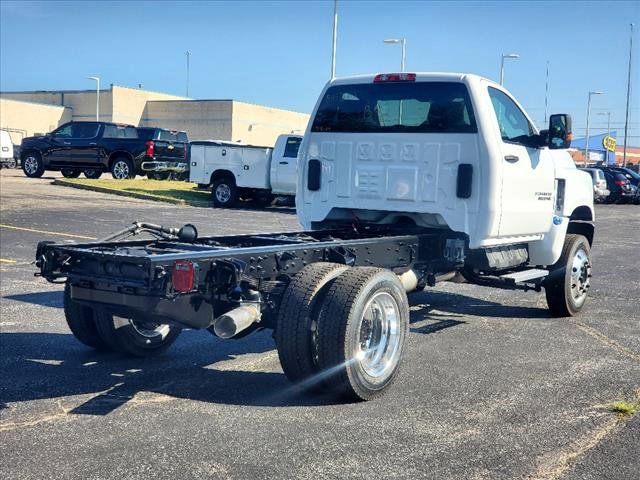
(394, 77)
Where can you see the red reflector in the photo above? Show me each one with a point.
(151, 148)
(394, 77)
(183, 276)
(620, 183)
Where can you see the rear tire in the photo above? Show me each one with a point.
(362, 327)
(93, 174)
(569, 281)
(122, 169)
(225, 193)
(81, 321)
(69, 173)
(32, 165)
(297, 320)
(135, 337)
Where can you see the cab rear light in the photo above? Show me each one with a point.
(184, 276)
(394, 77)
(620, 183)
(151, 148)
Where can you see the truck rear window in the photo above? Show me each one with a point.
(420, 107)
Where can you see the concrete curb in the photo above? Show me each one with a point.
(138, 195)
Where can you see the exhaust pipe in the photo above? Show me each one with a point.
(235, 321)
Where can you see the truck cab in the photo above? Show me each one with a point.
(443, 150)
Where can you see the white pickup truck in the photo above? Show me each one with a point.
(235, 171)
(405, 180)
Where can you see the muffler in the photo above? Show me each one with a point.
(235, 321)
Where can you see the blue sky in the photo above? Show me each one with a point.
(278, 53)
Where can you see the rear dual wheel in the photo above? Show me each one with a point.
(351, 329)
(99, 329)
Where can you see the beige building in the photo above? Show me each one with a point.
(42, 111)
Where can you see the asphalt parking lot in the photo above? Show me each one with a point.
(491, 387)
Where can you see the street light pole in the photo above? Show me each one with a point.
(335, 39)
(403, 42)
(608, 114)
(626, 118)
(97, 79)
(188, 54)
(586, 150)
(505, 55)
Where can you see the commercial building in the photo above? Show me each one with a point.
(30, 112)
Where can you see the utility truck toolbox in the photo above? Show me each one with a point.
(237, 171)
(404, 180)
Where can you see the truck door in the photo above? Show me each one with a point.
(284, 165)
(83, 148)
(527, 173)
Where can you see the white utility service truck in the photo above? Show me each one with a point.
(404, 180)
(234, 171)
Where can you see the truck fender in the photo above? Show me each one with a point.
(220, 174)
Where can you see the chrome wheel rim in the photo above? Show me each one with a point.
(580, 276)
(31, 165)
(378, 346)
(223, 193)
(121, 170)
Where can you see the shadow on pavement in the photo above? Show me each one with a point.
(46, 299)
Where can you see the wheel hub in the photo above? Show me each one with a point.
(30, 164)
(121, 170)
(223, 193)
(377, 350)
(580, 276)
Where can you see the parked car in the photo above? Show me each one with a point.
(89, 147)
(166, 155)
(620, 188)
(600, 191)
(234, 170)
(632, 176)
(6, 150)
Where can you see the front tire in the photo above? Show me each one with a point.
(32, 165)
(93, 173)
(139, 338)
(69, 173)
(362, 327)
(82, 322)
(225, 193)
(569, 281)
(122, 169)
(297, 320)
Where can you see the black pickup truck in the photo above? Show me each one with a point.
(166, 153)
(92, 148)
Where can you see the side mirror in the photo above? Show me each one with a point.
(559, 135)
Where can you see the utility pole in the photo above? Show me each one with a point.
(546, 95)
(97, 80)
(586, 148)
(188, 54)
(626, 117)
(335, 39)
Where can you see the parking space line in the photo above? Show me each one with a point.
(47, 232)
(7, 260)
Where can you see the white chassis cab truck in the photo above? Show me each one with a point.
(404, 180)
(234, 171)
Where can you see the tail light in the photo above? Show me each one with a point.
(620, 183)
(185, 151)
(151, 148)
(394, 77)
(183, 276)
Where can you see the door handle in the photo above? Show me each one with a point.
(92, 143)
(284, 163)
(511, 158)
(66, 143)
